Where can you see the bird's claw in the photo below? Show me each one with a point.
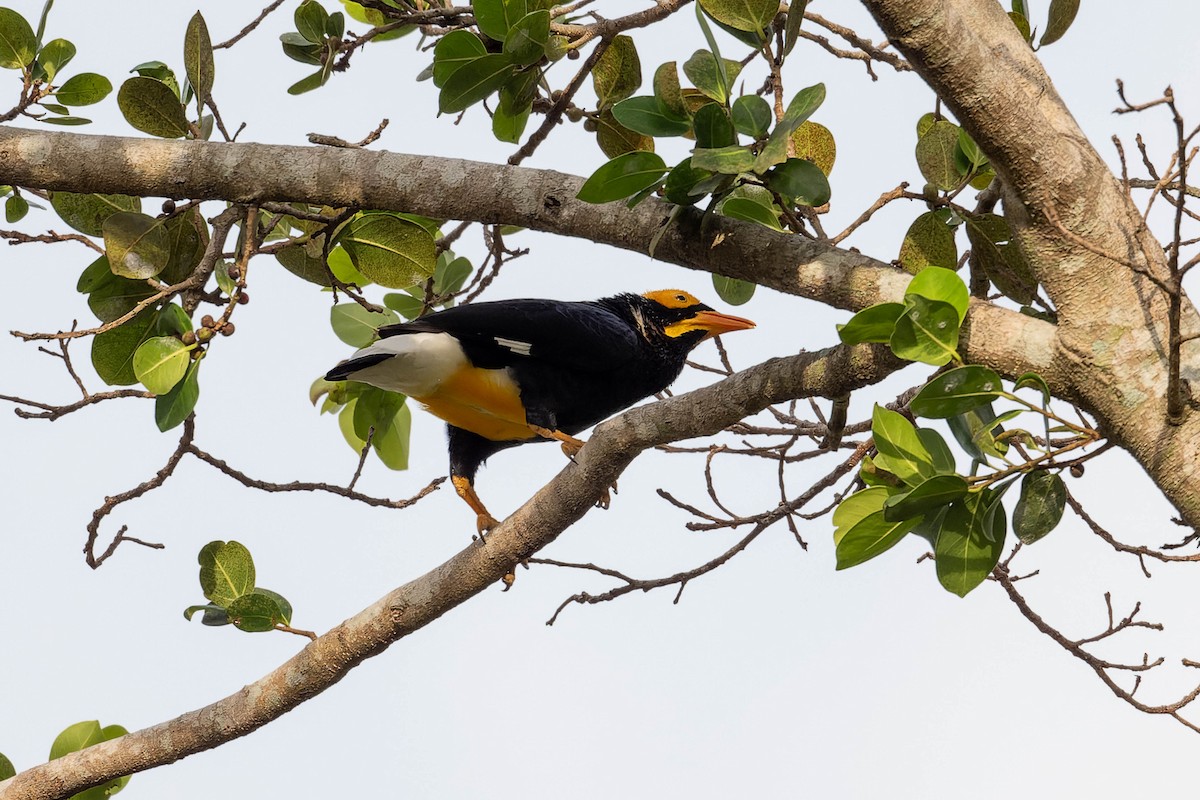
(606, 499)
(484, 522)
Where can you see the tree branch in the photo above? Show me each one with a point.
(559, 504)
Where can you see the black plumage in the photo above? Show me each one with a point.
(516, 371)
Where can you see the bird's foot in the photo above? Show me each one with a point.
(484, 522)
(606, 499)
(570, 445)
(510, 577)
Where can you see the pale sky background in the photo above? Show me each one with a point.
(774, 676)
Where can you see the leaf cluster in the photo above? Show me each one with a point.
(227, 578)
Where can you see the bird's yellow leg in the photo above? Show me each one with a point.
(483, 520)
(570, 445)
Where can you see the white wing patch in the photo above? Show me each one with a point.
(520, 348)
(421, 363)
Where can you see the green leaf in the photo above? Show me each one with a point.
(813, 142)
(496, 17)
(213, 615)
(938, 491)
(473, 81)
(390, 250)
(791, 31)
(901, 451)
(137, 245)
(526, 42)
(111, 296)
(972, 158)
(681, 184)
(744, 208)
(65, 120)
(159, 71)
(198, 55)
(1032, 379)
(705, 73)
(7, 770)
(355, 325)
(404, 304)
(872, 324)
(713, 128)
(285, 607)
(754, 16)
(929, 242)
(254, 612)
(1062, 14)
(730, 160)
(616, 140)
(733, 291)
(944, 285)
(226, 571)
(53, 56)
(150, 106)
(15, 208)
(722, 79)
(803, 106)
(618, 73)
(956, 392)
(623, 176)
(310, 18)
(376, 408)
(993, 250)
(453, 51)
(18, 45)
(335, 25)
(870, 537)
(83, 89)
(646, 115)
(969, 543)
(943, 459)
(450, 276)
(172, 408)
(667, 91)
(297, 48)
(927, 332)
(391, 445)
(508, 124)
(800, 181)
(857, 507)
(86, 212)
(306, 261)
(752, 115)
(160, 363)
(976, 431)
(112, 351)
(1022, 24)
(935, 155)
(1040, 507)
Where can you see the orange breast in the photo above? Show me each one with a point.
(483, 401)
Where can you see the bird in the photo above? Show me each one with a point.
(510, 372)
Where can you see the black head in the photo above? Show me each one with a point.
(677, 320)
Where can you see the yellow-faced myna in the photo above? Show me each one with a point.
(514, 371)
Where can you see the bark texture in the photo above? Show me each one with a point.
(1112, 341)
(560, 503)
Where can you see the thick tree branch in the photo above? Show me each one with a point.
(560, 503)
(542, 200)
(1113, 336)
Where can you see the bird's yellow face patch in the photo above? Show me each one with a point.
(672, 298)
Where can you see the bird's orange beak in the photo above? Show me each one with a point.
(714, 323)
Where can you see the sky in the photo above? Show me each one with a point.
(773, 676)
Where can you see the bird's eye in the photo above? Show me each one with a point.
(681, 298)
